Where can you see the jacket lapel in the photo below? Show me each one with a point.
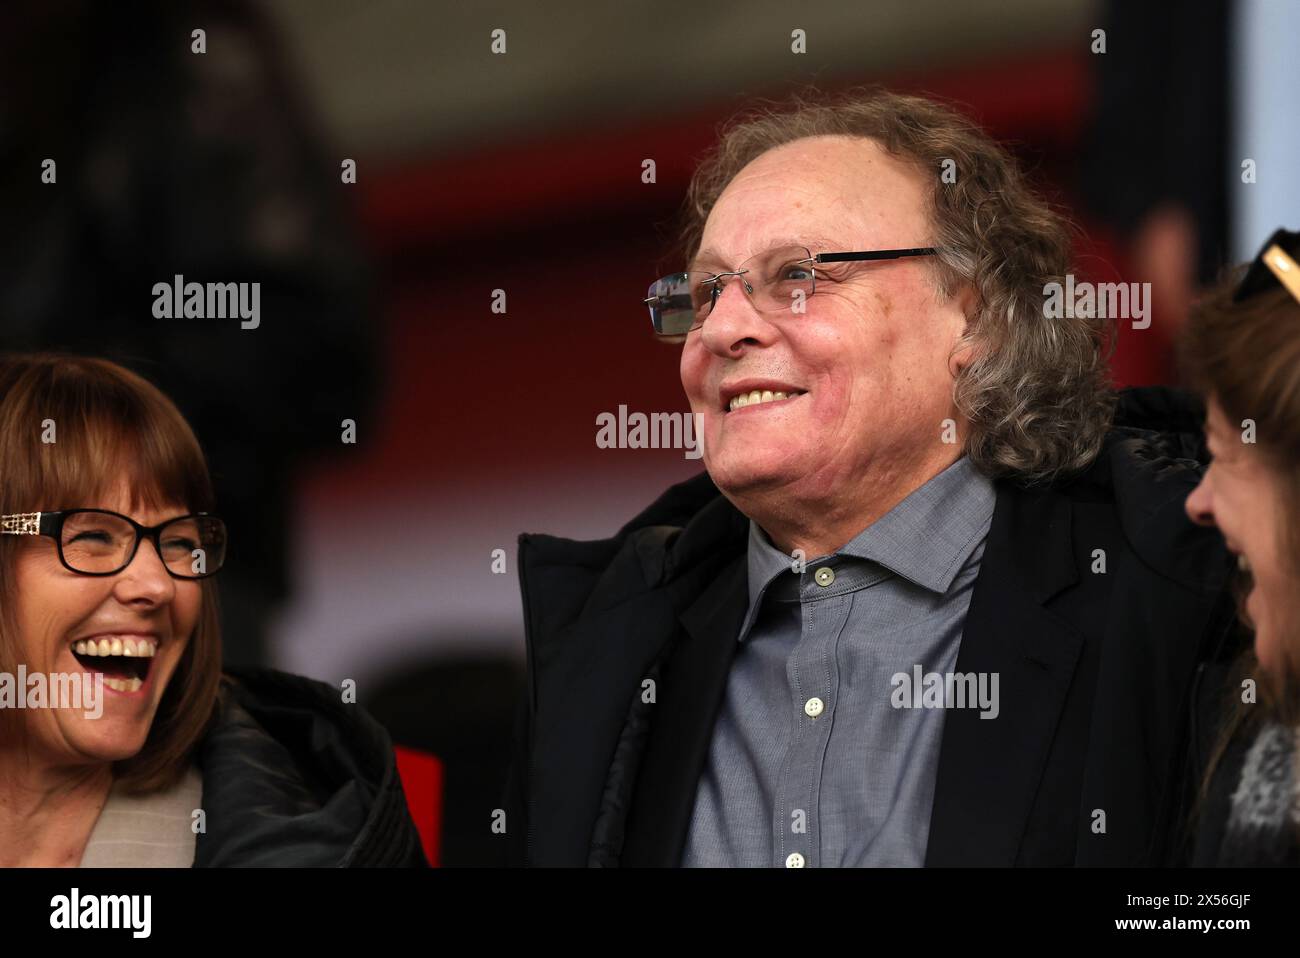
(693, 682)
(989, 768)
(586, 670)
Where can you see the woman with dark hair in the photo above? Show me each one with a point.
(1241, 350)
(109, 546)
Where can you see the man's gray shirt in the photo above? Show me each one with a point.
(811, 763)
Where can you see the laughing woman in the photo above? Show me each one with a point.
(108, 547)
(1242, 351)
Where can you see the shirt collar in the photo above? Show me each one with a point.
(926, 538)
(766, 562)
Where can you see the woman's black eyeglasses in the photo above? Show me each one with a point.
(100, 542)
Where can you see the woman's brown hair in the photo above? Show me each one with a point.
(107, 423)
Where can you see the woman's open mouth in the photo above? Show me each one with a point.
(124, 660)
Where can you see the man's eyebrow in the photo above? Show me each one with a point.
(816, 244)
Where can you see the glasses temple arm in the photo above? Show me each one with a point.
(21, 524)
(874, 255)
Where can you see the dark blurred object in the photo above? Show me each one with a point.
(1155, 162)
(204, 165)
(460, 711)
(1156, 154)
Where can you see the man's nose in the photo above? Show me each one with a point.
(733, 323)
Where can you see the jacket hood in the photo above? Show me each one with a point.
(292, 776)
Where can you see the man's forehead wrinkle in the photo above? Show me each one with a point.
(746, 199)
(777, 181)
(834, 167)
(774, 184)
(808, 179)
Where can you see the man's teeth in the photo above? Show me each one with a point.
(123, 685)
(130, 646)
(757, 396)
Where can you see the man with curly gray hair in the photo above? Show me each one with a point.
(935, 600)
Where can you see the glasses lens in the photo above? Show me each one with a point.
(781, 279)
(96, 541)
(193, 546)
(778, 279)
(679, 303)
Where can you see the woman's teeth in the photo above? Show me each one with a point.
(757, 396)
(123, 685)
(137, 647)
(1242, 562)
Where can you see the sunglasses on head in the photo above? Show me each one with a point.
(1275, 265)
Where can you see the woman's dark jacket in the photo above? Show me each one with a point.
(292, 776)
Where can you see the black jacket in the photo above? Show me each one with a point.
(1090, 761)
(292, 776)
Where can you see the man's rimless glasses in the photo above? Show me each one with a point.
(775, 280)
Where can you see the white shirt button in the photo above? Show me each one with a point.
(814, 707)
(824, 576)
(794, 860)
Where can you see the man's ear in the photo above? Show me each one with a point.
(967, 300)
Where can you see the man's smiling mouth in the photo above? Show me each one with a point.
(756, 397)
(753, 391)
(124, 660)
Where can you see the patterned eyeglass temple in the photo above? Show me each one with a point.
(21, 524)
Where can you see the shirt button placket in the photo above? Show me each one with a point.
(812, 707)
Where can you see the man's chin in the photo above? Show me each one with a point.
(749, 475)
